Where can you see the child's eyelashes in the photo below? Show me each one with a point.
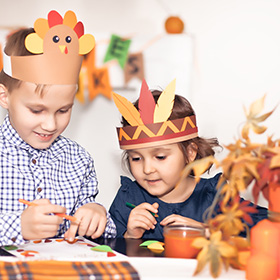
(35, 111)
(63, 111)
(140, 158)
(135, 158)
(161, 157)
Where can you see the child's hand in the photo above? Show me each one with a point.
(36, 223)
(180, 220)
(140, 220)
(92, 222)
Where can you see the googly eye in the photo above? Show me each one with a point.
(68, 39)
(55, 39)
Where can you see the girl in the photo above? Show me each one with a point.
(159, 141)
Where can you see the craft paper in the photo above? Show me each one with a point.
(148, 242)
(153, 245)
(165, 103)
(117, 49)
(102, 248)
(98, 83)
(134, 67)
(146, 104)
(156, 247)
(159, 132)
(127, 109)
(60, 249)
(89, 60)
(59, 47)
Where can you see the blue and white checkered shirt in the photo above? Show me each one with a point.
(64, 173)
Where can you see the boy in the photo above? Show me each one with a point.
(37, 163)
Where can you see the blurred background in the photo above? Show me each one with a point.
(227, 57)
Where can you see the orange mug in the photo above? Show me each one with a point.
(178, 240)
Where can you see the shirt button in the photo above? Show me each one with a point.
(39, 190)
(33, 161)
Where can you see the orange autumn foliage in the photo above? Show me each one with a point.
(246, 163)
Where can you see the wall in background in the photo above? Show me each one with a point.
(236, 60)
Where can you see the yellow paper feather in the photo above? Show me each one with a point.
(128, 111)
(165, 103)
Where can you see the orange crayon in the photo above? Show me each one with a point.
(29, 203)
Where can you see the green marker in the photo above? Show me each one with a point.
(130, 205)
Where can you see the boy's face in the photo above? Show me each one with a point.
(40, 119)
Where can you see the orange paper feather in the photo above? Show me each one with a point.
(165, 103)
(127, 109)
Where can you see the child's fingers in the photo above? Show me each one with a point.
(142, 219)
(71, 232)
(147, 206)
(177, 219)
(96, 230)
(142, 213)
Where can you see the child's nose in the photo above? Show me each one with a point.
(49, 123)
(148, 167)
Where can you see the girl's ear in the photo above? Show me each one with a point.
(3, 96)
(191, 152)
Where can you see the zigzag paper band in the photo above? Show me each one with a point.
(163, 133)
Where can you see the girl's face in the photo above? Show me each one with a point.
(157, 169)
(40, 119)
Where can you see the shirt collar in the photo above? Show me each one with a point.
(11, 134)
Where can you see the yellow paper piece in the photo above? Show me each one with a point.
(156, 247)
(165, 103)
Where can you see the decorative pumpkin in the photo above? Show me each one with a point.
(174, 25)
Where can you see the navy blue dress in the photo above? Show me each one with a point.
(194, 207)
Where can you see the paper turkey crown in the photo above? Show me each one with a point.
(149, 125)
(59, 44)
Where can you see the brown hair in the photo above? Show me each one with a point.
(182, 108)
(15, 45)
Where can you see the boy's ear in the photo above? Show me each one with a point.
(3, 96)
(191, 152)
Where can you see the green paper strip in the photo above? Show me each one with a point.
(102, 248)
(10, 248)
(147, 243)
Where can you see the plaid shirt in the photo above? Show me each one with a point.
(64, 173)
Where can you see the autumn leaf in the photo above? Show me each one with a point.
(254, 118)
(246, 163)
(215, 252)
(230, 222)
(198, 167)
(269, 174)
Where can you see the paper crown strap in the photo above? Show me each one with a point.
(43, 69)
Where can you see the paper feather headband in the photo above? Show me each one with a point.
(59, 44)
(149, 125)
